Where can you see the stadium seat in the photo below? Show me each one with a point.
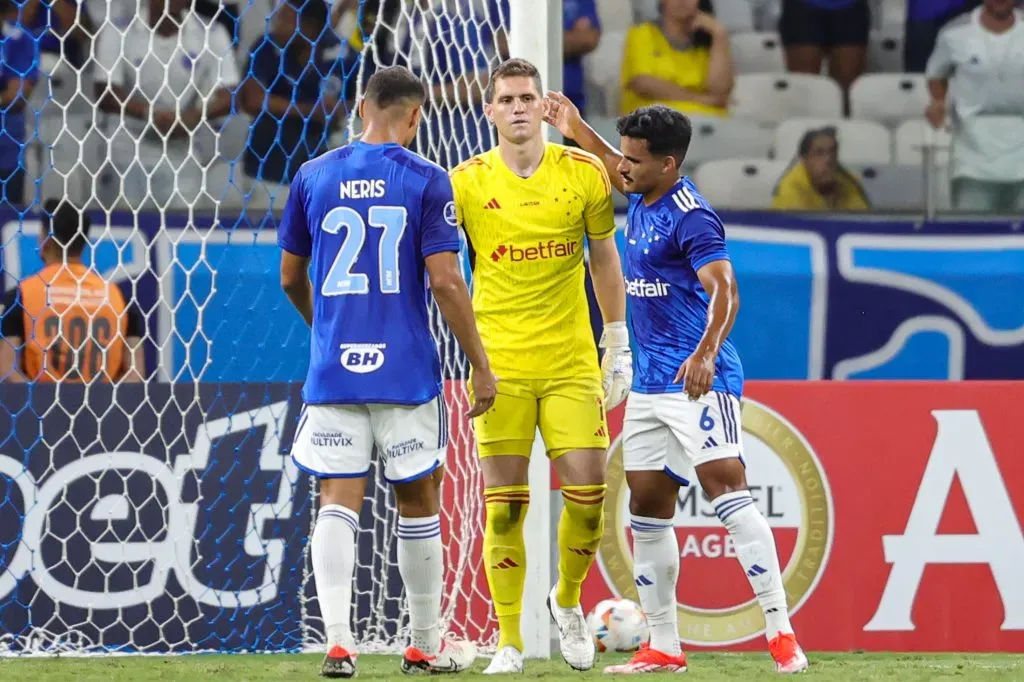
(860, 142)
(766, 14)
(735, 15)
(914, 135)
(739, 183)
(891, 13)
(602, 68)
(757, 53)
(892, 187)
(615, 15)
(885, 50)
(889, 97)
(724, 138)
(776, 97)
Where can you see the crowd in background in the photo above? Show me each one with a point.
(186, 105)
(181, 104)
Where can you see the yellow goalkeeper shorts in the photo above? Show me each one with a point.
(569, 411)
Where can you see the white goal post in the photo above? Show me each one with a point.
(535, 34)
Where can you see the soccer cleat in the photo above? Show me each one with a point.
(507, 659)
(574, 638)
(455, 656)
(338, 663)
(648, 660)
(789, 657)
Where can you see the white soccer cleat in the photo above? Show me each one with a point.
(455, 656)
(507, 660)
(574, 638)
(789, 657)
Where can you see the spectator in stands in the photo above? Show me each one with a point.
(817, 181)
(162, 77)
(977, 73)
(67, 323)
(813, 30)
(683, 60)
(292, 92)
(925, 18)
(582, 28)
(453, 44)
(63, 34)
(18, 72)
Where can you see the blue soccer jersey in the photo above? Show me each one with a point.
(367, 216)
(666, 244)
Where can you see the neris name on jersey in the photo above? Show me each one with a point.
(363, 189)
(641, 288)
(539, 251)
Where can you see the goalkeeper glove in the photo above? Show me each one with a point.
(616, 365)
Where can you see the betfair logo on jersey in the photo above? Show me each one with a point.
(641, 288)
(539, 251)
(363, 189)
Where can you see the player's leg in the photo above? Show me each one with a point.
(575, 431)
(652, 457)
(334, 443)
(711, 436)
(413, 443)
(505, 436)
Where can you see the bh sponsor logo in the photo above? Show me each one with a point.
(716, 605)
(641, 288)
(362, 358)
(539, 251)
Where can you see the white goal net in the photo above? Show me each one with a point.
(165, 515)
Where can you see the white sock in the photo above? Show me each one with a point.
(421, 565)
(755, 548)
(655, 572)
(334, 561)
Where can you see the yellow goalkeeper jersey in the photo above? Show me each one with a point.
(528, 278)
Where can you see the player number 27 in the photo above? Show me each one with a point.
(340, 279)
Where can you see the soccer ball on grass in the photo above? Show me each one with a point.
(618, 625)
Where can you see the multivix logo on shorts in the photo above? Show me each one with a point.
(716, 604)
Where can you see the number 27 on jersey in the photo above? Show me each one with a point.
(340, 279)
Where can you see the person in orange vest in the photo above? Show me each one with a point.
(66, 322)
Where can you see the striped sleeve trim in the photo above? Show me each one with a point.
(590, 160)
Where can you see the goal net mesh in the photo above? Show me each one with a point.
(166, 515)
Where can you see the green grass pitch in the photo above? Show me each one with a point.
(703, 666)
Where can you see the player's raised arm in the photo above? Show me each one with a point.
(560, 112)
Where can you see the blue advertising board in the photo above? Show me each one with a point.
(821, 298)
(167, 518)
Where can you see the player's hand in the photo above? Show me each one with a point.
(485, 387)
(616, 365)
(163, 120)
(697, 374)
(936, 113)
(703, 21)
(560, 112)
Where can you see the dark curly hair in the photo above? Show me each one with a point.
(666, 130)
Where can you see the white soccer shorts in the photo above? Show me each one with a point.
(671, 433)
(336, 441)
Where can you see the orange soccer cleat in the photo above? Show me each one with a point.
(789, 657)
(648, 660)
